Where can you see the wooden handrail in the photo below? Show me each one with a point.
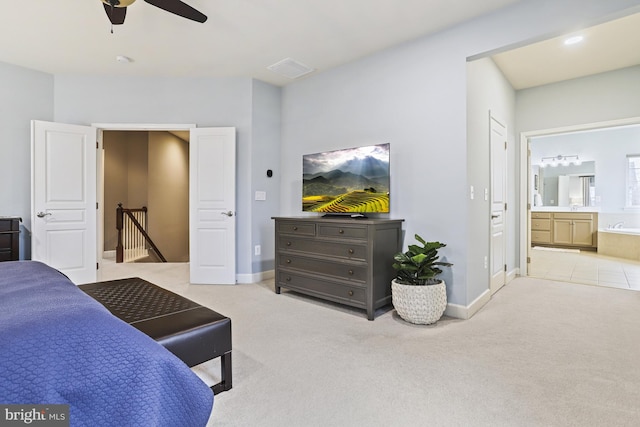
(120, 212)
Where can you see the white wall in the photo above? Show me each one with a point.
(414, 97)
(24, 95)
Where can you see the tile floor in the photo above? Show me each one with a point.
(584, 267)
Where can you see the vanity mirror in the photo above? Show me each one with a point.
(570, 186)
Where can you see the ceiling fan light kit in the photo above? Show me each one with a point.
(117, 9)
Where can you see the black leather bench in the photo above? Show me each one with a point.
(192, 332)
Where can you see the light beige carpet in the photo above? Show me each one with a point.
(540, 353)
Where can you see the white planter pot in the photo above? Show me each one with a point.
(421, 305)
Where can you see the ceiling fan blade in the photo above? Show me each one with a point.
(116, 14)
(179, 8)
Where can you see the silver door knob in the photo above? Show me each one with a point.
(42, 214)
(227, 213)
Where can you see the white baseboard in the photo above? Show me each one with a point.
(255, 277)
(109, 254)
(462, 312)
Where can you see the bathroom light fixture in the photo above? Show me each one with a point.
(560, 160)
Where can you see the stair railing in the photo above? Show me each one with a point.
(133, 241)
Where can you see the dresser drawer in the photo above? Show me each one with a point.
(328, 268)
(322, 288)
(299, 228)
(541, 224)
(540, 236)
(335, 249)
(543, 215)
(337, 230)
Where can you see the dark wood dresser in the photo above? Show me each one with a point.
(9, 238)
(343, 260)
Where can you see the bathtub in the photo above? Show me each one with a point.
(619, 242)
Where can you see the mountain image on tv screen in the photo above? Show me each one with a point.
(353, 180)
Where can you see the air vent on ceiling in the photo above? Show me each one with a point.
(290, 68)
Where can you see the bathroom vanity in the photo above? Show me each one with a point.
(564, 228)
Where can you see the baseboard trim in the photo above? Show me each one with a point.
(466, 312)
(512, 275)
(255, 277)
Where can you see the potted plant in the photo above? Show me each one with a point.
(418, 295)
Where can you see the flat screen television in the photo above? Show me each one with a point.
(347, 181)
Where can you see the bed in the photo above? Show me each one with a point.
(60, 346)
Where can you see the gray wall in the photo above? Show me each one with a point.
(488, 91)
(414, 97)
(203, 101)
(81, 99)
(607, 96)
(24, 95)
(265, 154)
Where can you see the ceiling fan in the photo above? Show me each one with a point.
(117, 9)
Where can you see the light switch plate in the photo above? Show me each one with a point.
(261, 195)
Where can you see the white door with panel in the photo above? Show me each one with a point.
(63, 192)
(212, 205)
(498, 143)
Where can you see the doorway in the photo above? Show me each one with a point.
(604, 147)
(211, 195)
(148, 169)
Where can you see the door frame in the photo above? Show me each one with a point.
(525, 176)
(505, 162)
(100, 164)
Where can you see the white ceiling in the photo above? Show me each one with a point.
(606, 47)
(240, 38)
(243, 37)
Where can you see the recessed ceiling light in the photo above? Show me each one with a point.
(573, 40)
(123, 59)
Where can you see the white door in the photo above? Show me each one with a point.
(212, 205)
(498, 141)
(63, 205)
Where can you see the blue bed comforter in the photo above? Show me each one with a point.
(59, 346)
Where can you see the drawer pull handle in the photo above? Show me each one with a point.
(295, 228)
(288, 261)
(350, 272)
(288, 279)
(350, 293)
(351, 251)
(341, 231)
(288, 243)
